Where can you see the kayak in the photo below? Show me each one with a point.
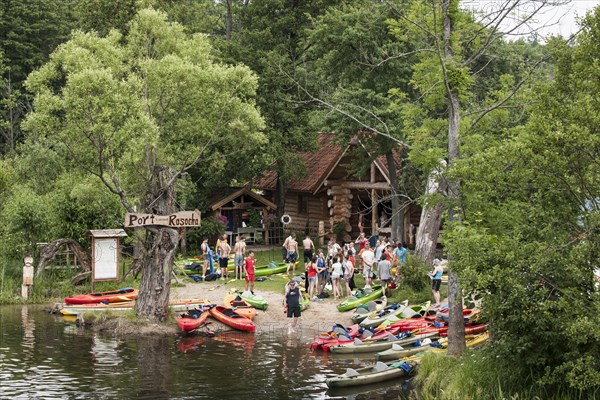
(174, 305)
(364, 310)
(370, 346)
(234, 320)
(379, 372)
(354, 302)
(377, 317)
(337, 335)
(271, 269)
(255, 300)
(239, 305)
(304, 302)
(114, 296)
(416, 311)
(192, 319)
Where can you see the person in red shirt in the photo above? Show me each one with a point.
(249, 264)
(312, 277)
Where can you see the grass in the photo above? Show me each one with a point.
(477, 376)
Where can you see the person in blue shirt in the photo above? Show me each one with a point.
(436, 281)
(399, 257)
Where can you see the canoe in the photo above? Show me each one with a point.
(239, 305)
(174, 305)
(377, 317)
(114, 296)
(255, 300)
(234, 320)
(192, 319)
(397, 352)
(379, 372)
(364, 310)
(271, 269)
(416, 311)
(369, 346)
(354, 302)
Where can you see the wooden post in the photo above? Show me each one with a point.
(27, 277)
(321, 233)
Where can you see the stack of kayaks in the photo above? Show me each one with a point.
(174, 305)
(376, 318)
(360, 297)
(379, 344)
(232, 319)
(415, 311)
(115, 296)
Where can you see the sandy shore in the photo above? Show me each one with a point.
(320, 316)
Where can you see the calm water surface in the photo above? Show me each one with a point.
(44, 357)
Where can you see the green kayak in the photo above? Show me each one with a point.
(255, 300)
(354, 302)
(271, 269)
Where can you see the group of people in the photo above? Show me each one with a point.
(244, 265)
(341, 263)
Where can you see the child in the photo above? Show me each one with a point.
(249, 266)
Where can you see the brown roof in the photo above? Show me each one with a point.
(318, 163)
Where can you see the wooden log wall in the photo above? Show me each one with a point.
(340, 208)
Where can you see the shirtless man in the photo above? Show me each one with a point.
(309, 248)
(224, 249)
(292, 253)
(238, 261)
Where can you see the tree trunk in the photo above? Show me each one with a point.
(456, 327)
(431, 216)
(397, 212)
(228, 20)
(155, 285)
(280, 197)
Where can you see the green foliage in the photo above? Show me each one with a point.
(414, 273)
(338, 230)
(210, 228)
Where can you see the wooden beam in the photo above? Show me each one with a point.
(360, 185)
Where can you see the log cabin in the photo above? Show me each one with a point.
(333, 198)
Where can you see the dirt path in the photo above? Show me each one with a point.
(320, 315)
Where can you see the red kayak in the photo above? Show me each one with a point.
(192, 319)
(115, 296)
(338, 335)
(231, 318)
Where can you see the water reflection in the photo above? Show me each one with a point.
(44, 357)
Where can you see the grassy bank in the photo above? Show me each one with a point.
(478, 376)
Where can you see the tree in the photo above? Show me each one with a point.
(138, 110)
(455, 49)
(29, 31)
(529, 245)
(270, 37)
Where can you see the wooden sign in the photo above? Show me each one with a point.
(176, 220)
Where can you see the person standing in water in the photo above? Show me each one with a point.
(292, 305)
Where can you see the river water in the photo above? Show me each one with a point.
(43, 356)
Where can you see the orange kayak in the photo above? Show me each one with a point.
(239, 305)
(192, 319)
(115, 296)
(233, 319)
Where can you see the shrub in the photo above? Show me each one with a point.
(414, 273)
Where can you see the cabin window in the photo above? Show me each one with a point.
(302, 203)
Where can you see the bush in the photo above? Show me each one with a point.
(414, 273)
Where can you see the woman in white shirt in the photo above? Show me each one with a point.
(336, 275)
